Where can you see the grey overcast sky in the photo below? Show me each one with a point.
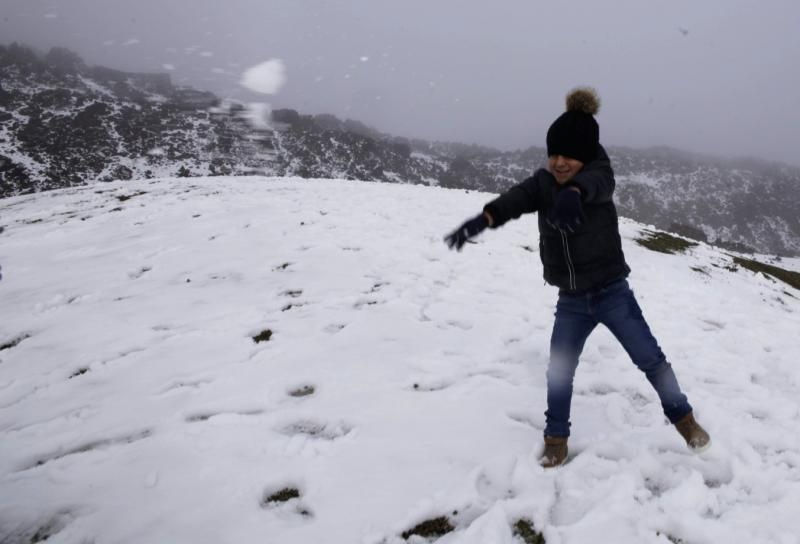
(713, 76)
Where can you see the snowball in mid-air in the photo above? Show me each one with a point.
(267, 77)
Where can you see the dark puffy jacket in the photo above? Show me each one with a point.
(589, 258)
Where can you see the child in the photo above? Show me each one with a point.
(581, 252)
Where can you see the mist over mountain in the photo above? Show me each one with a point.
(63, 123)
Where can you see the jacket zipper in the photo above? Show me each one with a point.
(570, 266)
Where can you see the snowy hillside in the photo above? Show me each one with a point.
(303, 361)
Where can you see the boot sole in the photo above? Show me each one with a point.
(701, 450)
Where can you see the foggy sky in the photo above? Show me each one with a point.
(714, 76)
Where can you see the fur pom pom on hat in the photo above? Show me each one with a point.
(583, 99)
(576, 134)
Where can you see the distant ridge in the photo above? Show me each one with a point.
(63, 123)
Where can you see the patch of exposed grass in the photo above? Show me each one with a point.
(14, 342)
(123, 198)
(43, 533)
(91, 446)
(293, 293)
(729, 267)
(673, 539)
(194, 418)
(432, 528)
(80, 372)
(48, 529)
(525, 530)
(786, 276)
(263, 336)
(303, 391)
(664, 243)
(284, 495)
(42, 530)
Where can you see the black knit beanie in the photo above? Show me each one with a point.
(575, 134)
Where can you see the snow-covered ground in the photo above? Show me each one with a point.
(400, 383)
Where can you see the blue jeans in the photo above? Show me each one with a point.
(615, 307)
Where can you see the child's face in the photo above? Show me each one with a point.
(563, 168)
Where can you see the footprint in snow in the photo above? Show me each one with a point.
(655, 487)
(293, 294)
(205, 416)
(607, 350)
(139, 273)
(429, 386)
(184, 385)
(493, 374)
(317, 429)
(364, 302)
(597, 389)
(100, 444)
(44, 529)
(637, 399)
(463, 325)
(377, 287)
(709, 325)
(526, 419)
(57, 302)
(494, 485)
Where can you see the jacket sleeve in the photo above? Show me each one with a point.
(521, 198)
(596, 180)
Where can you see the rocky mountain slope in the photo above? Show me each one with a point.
(63, 123)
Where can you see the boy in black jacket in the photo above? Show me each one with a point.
(581, 252)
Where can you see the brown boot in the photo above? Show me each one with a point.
(555, 452)
(696, 437)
